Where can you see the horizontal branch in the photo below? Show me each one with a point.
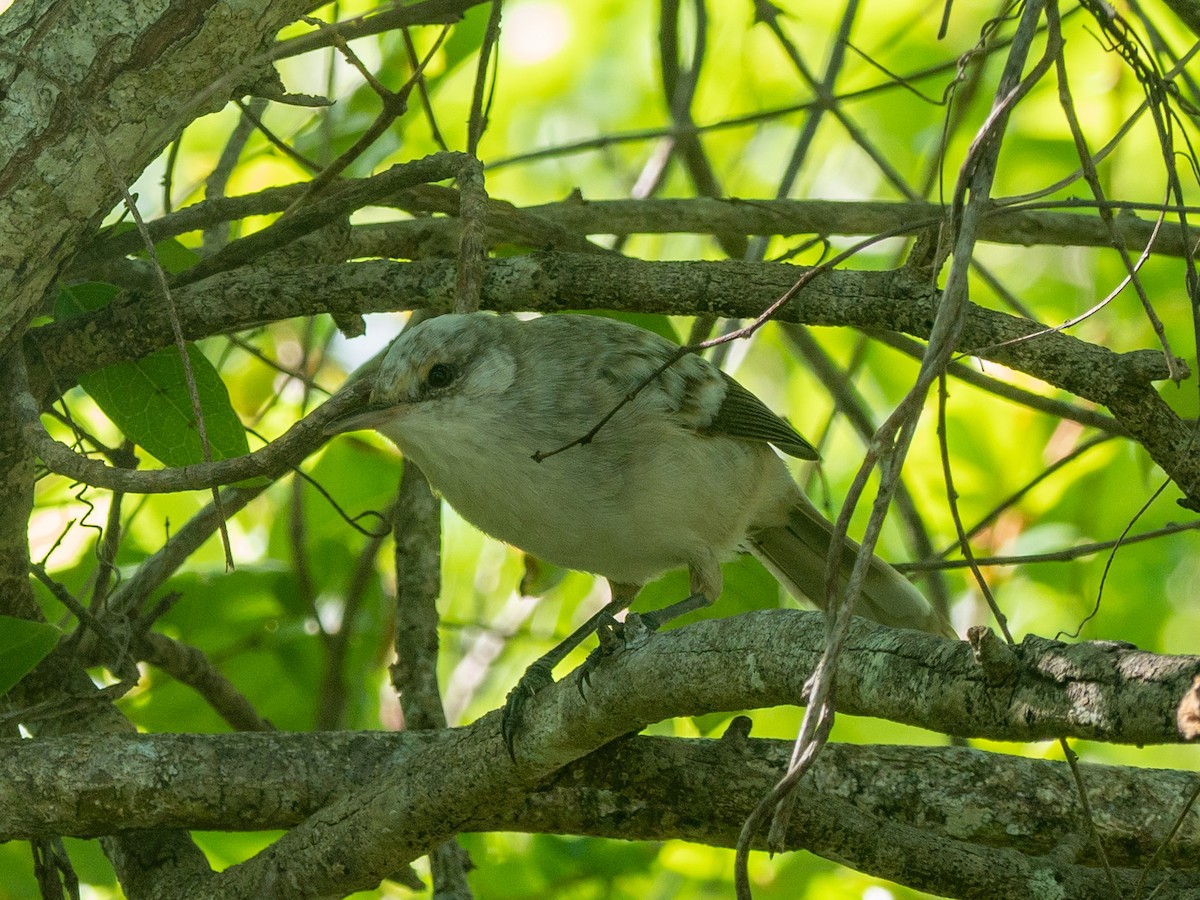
(873, 808)
(1038, 690)
(256, 782)
(903, 813)
(999, 224)
(574, 218)
(756, 659)
(89, 785)
(892, 300)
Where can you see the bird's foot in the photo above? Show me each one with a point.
(536, 677)
(616, 637)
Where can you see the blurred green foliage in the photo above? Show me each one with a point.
(588, 71)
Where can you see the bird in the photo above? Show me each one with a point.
(594, 444)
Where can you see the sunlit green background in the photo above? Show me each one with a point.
(569, 75)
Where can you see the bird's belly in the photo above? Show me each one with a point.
(575, 529)
(626, 511)
(565, 511)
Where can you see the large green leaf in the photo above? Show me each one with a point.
(23, 644)
(148, 398)
(81, 298)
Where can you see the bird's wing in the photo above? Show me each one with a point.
(742, 415)
(688, 390)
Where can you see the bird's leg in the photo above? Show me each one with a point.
(538, 675)
(698, 600)
(617, 636)
(704, 577)
(705, 582)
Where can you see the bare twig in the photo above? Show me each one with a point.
(191, 666)
(895, 435)
(1089, 820)
(964, 542)
(269, 462)
(481, 96)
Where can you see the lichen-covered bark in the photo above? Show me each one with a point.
(91, 93)
(1008, 809)
(548, 282)
(16, 501)
(59, 695)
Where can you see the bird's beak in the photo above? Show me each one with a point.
(361, 420)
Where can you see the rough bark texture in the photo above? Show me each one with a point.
(914, 802)
(92, 93)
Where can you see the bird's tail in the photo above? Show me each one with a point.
(795, 553)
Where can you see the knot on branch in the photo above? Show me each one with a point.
(996, 658)
(1145, 366)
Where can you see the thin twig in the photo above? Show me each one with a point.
(895, 435)
(423, 89)
(271, 461)
(1112, 555)
(480, 105)
(191, 666)
(964, 542)
(1081, 789)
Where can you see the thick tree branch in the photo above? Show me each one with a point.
(551, 282)
(416, 528)
(563, 225)
(133, 84)
(96, 784)
(554, 281)
(1037, 691)
(1109, 693)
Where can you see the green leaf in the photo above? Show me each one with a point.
(81, 298)
(173, 256)
(747, 586)
(23, 644)
(148, 398)
(540, 576)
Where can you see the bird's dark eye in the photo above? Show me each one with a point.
(440, 375)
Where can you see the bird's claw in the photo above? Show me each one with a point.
(536, 677)
(615, 637)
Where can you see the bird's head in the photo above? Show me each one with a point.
(445, 366)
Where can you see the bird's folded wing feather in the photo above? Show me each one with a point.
(742, 415)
